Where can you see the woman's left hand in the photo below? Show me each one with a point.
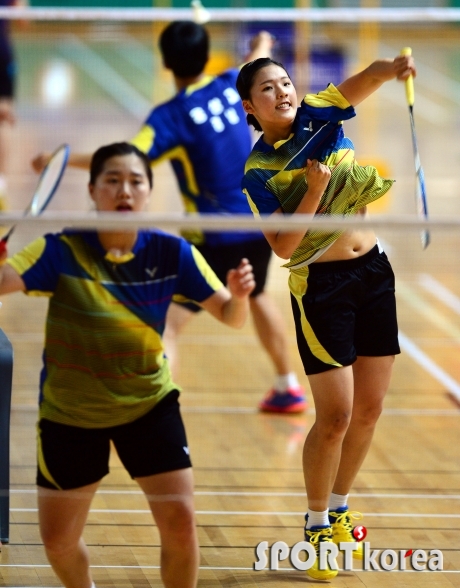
(240, 281)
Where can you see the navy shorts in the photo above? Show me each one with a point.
(7, 77)
(223, 258)
(347, 310)
(70, 457)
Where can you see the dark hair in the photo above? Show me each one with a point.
(184, 46)
(245, 81)
(107, 151)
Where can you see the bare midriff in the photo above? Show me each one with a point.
(349, 245)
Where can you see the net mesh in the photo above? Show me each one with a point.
(90, 81)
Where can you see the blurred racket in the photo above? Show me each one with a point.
(420, 189)
(48, 183)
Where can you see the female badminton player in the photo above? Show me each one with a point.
(105, 377)
(341, 282)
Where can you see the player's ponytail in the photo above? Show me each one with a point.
(251, 120)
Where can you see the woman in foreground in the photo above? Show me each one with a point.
(105, 377)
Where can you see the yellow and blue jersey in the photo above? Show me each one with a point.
(103, 362)
(275, 175)
(203, 132)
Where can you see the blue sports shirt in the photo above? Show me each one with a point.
(203, 131)
(104, 361)
(275, 175)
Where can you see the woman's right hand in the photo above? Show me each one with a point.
(317, 176)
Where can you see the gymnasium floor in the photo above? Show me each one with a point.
(249, 485)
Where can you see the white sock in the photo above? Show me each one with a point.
(317, 519)
(93, 585)
(338, 501)
(286, 381)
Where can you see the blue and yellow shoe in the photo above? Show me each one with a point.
(342, 528)
(315, 536)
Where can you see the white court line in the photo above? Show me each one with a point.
(230, 569)
(217, 568)
(254, 513)
(427, 311)
(434, 287)
(431, 111)
(103, 74)
(441, 412)
(386, 411)
(429, 365)
(269, 494)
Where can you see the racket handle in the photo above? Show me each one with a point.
(409, 81)
(3, 246)
(4, 239)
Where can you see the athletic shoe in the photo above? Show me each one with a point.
(291, 401)
(342, 528)
(315, 536)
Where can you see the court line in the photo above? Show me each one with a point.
(386, 411)
(434, 287)
(268, 494)
(135, 53)
(430, 366)
(226, 568)
(432, 112)
(441, 412)
(439, 320)
(432, 80)
(254, 513)
(76, 51)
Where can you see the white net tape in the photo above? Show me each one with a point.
(228, 222)
(338, 15)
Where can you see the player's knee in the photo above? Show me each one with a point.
(180, 526)
(367, 416)
(334, 427)
(56, 544)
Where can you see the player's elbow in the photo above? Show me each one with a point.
(239, 322)
(283, 251)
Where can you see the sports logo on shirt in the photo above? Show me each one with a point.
(151, 272)
(216, 112)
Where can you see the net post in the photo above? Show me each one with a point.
(6, 376)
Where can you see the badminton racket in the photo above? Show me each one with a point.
(420, 189)
(47, 185)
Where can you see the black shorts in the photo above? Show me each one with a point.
(347, 310)
(223, 258)
(71, 457)
(7, 77)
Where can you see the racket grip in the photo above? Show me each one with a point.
(3, 246)
(409, 81)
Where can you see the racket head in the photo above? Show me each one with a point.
(49, 180)
(422, 205)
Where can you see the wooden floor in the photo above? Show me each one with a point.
(247, 465)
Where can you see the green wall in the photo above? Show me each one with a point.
(172, 3)
(163, 3)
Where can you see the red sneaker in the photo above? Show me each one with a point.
(291, 401)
